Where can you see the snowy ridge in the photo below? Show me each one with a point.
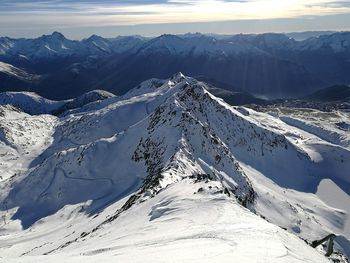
(170, 155)
(33, 103)
(16, 72)
(29, 102)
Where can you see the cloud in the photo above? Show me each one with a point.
(235, 8)
(84, 13)
(332, 4)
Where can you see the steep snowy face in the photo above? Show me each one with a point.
(170, 153)
(194, 149)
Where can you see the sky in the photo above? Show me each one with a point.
(80, 18)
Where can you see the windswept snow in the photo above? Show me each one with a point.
(180, 226)
(168, 172)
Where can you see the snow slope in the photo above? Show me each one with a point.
(168, 172)
(180, 226)
(22, 138)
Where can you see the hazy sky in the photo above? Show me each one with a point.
(81, 18)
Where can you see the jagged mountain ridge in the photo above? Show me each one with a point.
(179, 135)
(57, 45)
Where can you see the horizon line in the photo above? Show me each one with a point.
(326, 32)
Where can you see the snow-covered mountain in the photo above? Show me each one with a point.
(169, 172)
(198, 44)
(117, 45)
(45, 46)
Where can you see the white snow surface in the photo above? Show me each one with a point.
(179, 226)
(168, 173)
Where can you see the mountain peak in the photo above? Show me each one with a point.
(54, 36)
(57, 35)
(168, 38)
(94, 37)
(177, 77)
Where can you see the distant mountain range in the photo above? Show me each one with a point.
(269, 65)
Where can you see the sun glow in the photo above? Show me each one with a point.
(37, 15)
(214, 10)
